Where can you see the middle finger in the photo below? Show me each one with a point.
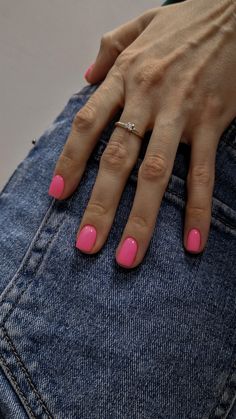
(153, 177)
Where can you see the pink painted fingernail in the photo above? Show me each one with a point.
(88, 71)
(87, 238)
(194, 240)
(57, 186)
(127, 252)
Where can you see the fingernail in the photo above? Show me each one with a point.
(57, 186)
(87, 238)
(194, 240)
(127, 252)
(88, 71)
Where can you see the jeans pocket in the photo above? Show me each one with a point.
(82, 337)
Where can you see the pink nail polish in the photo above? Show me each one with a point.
(56, 187)
(87, 238)
(88, 71)
(127, 252)
(194, 240)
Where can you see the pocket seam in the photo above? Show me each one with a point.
(216, 217)
(25, 261)
(26, 374)
(15, 284)
(17, 389)
(226, 406)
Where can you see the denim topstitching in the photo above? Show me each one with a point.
(17, 388)
(230, 382)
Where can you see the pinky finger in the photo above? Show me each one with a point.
(200, 186)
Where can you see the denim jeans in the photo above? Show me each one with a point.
(81, 337)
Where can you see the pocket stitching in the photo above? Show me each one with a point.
(171, 196)
(30, 412)
(230, 384)
(24, 370)
(25, 261)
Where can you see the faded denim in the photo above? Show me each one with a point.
(82, 337)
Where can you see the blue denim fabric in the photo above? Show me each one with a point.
(82, 337)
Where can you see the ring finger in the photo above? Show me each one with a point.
(115, 166)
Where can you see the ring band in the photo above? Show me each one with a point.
(130, 126)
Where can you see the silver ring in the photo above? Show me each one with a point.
(130, 126)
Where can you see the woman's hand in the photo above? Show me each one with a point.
(172, 71)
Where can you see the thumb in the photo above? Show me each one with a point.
(113, 43)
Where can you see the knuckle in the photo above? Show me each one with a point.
(85, 117)
(117, 76)
(147, 16)
(106, 40)
(195, 212)
(96, 208)
(122, 62)
(67, 160)
(200, 175)
(115, 156)
(167, 126)
(138, 221)
(128, 57)
(149, 74)
(154, 168)
(112, 42)
(115, 42)
(214, 107)
(142, 77)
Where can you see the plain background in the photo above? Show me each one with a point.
(45, 48)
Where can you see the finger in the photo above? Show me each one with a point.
(113, 43)
(153, 178)
(200, 185)
(87, 126)
(115, 166)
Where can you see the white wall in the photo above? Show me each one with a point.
(45, 48)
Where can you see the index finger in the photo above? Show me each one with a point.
(86, 128)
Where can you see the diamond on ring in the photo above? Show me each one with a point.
(130, 126)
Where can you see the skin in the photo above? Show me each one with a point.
(172, 71)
